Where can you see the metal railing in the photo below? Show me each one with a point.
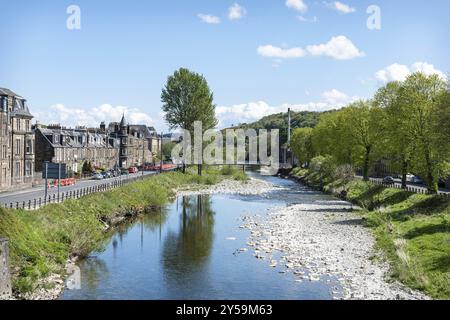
(409, 188)
(37, 203)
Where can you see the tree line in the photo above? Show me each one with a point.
(406, 124)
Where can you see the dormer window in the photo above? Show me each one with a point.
(55, 138)
(4, 103)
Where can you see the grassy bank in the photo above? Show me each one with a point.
(412, 230)
(42, 241)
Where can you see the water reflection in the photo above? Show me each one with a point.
(94, 272)
(182, 252)
(186, 251)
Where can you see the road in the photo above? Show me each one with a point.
(39, 192)
(398, 183)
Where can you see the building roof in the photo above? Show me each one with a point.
(20, 107)
(123, 122)
(97, 140)
(7, 92)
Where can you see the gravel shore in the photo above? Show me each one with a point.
(227, 186)
(326, 238)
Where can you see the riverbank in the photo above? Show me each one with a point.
(322, 240)
(411, 231)
(44, 242)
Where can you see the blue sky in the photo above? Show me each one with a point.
(271, 55)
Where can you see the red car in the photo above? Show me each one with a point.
(133, 170)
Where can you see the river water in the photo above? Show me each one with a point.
(192, 250)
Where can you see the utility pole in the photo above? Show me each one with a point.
(143, 156)
(46, 181)
(289, 125)
(161, 164)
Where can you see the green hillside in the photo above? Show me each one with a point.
(279, 121)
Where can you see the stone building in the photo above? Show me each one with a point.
(74, 147)
(118, 145)
(139, 144)
(16, 141)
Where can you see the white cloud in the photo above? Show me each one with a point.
(71, 117)
(339, 48)
(298, 5)
(236, 12)
(394, 72)
(304, 19)
(277, 52)
(399, 72)
(208, 18)
(336, 97)
(427, 69)
(341, 7)
(252, 111)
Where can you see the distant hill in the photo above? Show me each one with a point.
(279, 121)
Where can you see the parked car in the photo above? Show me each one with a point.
(124, 171)
(106, 174)
(442, 183)
(133, 170)
(115, 172)
(388, 180)
(416, 180)
(97, 176)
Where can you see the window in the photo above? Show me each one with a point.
(28, 169)
(29, 147)
(18, 124)
(17, 146)
(17, 172)
(4, 103)
(4, 152)
(27, 125)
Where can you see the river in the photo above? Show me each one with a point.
(196, 248)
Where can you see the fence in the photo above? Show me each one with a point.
(37, 203)
(414, 189)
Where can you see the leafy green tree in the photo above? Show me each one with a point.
(424, 107)
(166, 150)
(332, 136)
(398, 140)
(187, 98)
(302, 146)
(366, 123)
(351, 135)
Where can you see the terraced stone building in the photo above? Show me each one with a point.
(16, 141)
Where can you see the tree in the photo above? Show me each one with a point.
(367, 122)
(302, 146)
(166, 150)
(351, 135)
(422, 100)
(399, 141)
(187, 98)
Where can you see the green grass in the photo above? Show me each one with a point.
(41, 241)
(413, 230)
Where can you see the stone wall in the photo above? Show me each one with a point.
(5, 278)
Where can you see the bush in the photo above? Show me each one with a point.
(344, 173)
(324, 166)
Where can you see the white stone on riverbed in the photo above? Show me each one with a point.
(228, 186)
(325, 238)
